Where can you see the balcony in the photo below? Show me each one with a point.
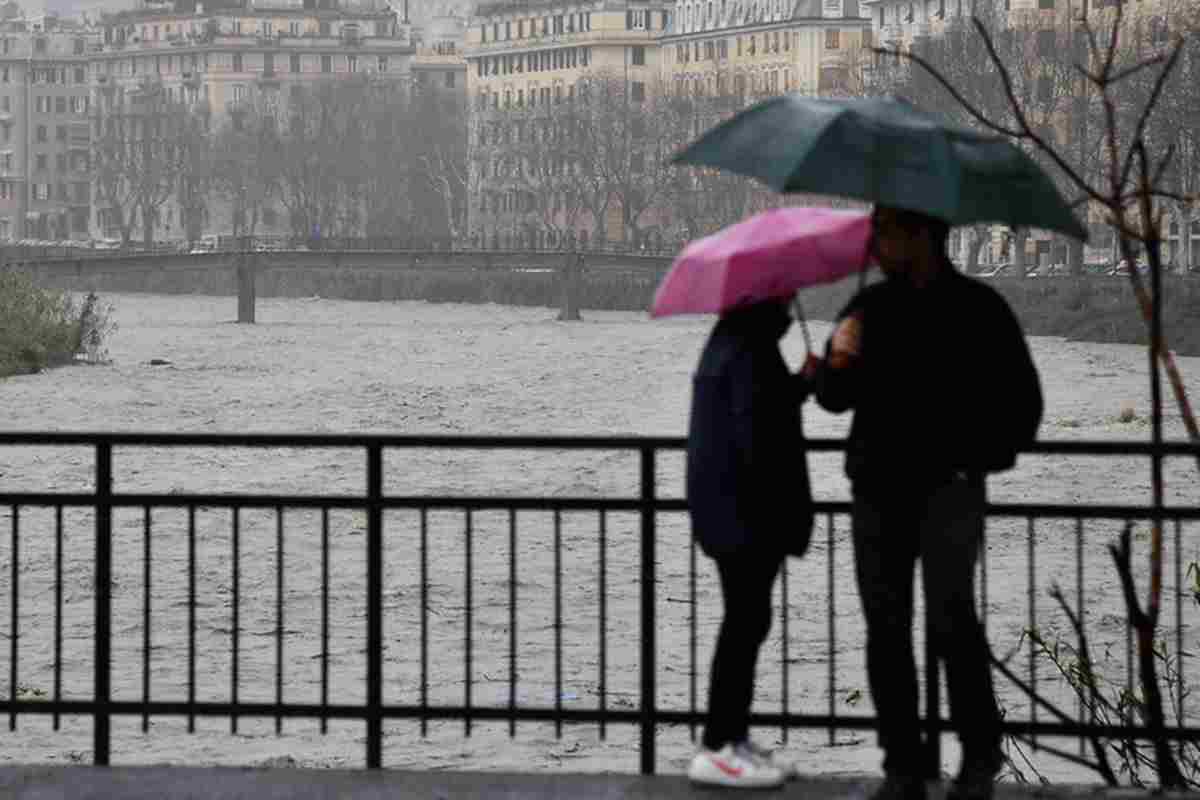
(268, 77)
(191, 78)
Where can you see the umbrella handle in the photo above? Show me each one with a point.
(798, 311)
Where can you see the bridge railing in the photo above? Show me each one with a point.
(633, 565)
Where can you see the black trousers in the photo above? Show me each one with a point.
(942, 526)
(746, 584)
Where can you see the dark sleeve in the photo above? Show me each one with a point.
(1014, 392)
(744, 394)
(836, 389)
(801, 388)
(1024, 392)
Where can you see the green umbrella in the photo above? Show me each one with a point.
(889, 152)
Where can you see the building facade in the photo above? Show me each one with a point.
(765, 47)
(529, 67)
(44, 129)
(235, 55)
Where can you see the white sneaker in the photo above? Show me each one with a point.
(734, 766)
(790, 769)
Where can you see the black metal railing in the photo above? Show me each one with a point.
(641, 511)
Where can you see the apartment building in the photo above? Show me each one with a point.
(229, 55)
(524, 60)
(765, 47)
(439, 61)
(44, 129)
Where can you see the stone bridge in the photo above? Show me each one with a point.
(79, 270)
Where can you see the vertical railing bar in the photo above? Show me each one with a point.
(278, 619)
(692, 667)
(1031, 590)
(648, 624)
(1178, 623)
(424, 622)
(512, 622)
(603, 569)
(557, 624)
(1079, 613)
(467, 689)
(831, 629)
(147, 589)
(324, 620)
(784, 666)
(58, 602)
(191, 584)
(374, 710)
(14, 621)
(1129, 652)
(235, 614)
(983, 578)
(102, 626)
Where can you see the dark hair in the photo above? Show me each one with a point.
(914, 221)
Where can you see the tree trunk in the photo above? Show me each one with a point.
(1075, 257)
(978, 236)
(1018, 252)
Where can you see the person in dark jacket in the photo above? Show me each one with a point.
(748, 494)
(944, 392)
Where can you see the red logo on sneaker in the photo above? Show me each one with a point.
(728, 769)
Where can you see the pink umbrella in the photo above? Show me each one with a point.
(769, 255)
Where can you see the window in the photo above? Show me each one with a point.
(1046, 4)
(237, 62)
(449, 80)
(80, 75)
(636, 19)
(268, 29)
(40, 162)
(637, 56)
(351, 63)
(324, 28)
(39, 45)
(60, 133)
(294, 28)
(294, 58)
(833, 39)
(41, 191)
(1046, 42)
(79, 47)
(382, 66)
(1045, 88)
(237, 27)
(326, 63)
(41, 133)
(60, 105)
(637, 91)
(483, 34)
(239, 92)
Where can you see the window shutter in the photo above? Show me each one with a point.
(628, 19)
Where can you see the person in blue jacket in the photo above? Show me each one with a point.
(750, 504)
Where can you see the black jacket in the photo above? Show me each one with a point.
(747, 473)
(944, 384)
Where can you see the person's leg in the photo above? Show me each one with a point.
(951, 536)
(746, 585)
(885, 549)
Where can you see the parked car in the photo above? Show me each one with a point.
(1007, 271)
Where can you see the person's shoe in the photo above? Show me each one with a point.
(976, 778)
(733, 766)
(790, 770)
(900, 787)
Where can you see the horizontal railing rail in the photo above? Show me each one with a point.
(645, 505)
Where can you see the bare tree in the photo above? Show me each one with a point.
(1129, 79)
